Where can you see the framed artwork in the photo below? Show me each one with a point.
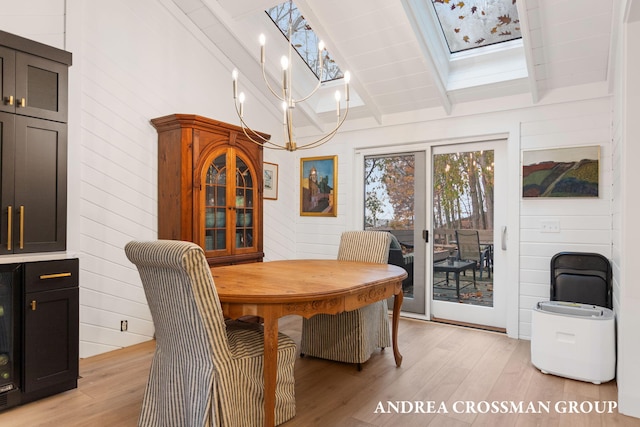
(561, 172)
(318, 186)
(270, 181)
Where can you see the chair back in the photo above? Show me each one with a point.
(182, 299)
(468, 245)
(365, 246)
(581, 277)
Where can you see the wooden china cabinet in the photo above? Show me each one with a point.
(210, 187)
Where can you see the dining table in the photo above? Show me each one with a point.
(305, 287)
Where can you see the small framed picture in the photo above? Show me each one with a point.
(270, 181)
(561, 172)
(318, 186)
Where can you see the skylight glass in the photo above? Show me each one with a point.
(304, 39)
(476, 23)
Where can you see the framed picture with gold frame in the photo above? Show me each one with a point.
(319, 186)
(270, 181)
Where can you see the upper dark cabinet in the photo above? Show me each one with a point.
(33, 146)
(34, 78)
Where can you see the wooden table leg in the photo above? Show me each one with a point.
(397, 306)
(270, 368)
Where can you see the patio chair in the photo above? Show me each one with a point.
(397, 257)
(352, 336)
(205, 372)
(469, 249)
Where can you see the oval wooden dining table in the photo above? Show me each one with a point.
(274, 289)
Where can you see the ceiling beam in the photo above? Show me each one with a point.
(525, 29)
(416, 14)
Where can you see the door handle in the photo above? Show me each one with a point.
(9, 226)
(503, 243)
(21, 227)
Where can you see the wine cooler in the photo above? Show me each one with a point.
(10, 280)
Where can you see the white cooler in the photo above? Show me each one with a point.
(574, 341)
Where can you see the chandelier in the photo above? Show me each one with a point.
(285, 95)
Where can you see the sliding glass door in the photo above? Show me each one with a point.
(469, 212)
(394, 193)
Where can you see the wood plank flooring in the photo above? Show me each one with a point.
(450, 368)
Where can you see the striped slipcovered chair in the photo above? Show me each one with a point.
(352, 336)
(205, 371)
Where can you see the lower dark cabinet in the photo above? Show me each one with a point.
(43, 330)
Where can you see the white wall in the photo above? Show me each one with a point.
(137, 60)
(625, 206)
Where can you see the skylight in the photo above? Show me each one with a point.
(472, 24)
(304, 39)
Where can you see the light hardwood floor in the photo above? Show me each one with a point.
(450, 366)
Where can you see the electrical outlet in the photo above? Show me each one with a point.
(550, 226)
(124, 325)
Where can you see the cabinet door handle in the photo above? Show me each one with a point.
(33, 304)
(21, 227)
(9, 227)
(8, 100)
(54, 276)
(22, 103)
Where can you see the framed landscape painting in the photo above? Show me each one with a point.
(318, 186)
(561, 172)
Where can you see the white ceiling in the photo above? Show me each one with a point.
(391, 50)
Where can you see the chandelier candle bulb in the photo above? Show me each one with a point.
(263, 41)
(284, 62)
(241, 99)
(284, 113)
(347, 77)
(234, 75)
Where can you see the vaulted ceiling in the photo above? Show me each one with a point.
(390, 48)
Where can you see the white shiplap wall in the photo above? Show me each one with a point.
(137, 60)
(585, 224)
(140, 60)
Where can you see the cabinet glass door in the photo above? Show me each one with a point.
(244, 205)
(41, 88)
(215, 209)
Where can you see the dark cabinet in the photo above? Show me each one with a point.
(34, 182)
(210, 187)
(10, 342)
(50, 328)
(39, 335)
(33, 146)
(33, 85)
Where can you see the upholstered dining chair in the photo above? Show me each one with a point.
(351, 336)
(205, 371)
